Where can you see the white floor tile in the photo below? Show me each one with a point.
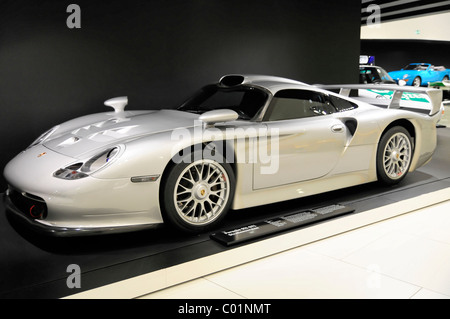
(432, 223)
(413, 259)
(303, 274)
(195, 289)
(428, 294)
(344, 244)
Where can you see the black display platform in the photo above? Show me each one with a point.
(272, 226)
(33, 266)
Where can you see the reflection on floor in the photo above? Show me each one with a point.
(403, 257)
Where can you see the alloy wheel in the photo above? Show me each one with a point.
(201, 192)
(397, 156)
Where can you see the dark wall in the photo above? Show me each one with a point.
(394, 54)
(157, 52)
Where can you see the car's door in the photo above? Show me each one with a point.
(306, 139)
(431, 75)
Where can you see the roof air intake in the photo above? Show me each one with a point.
(232, 80)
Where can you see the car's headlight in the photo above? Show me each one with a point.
(41, 139)
(88, 167)
(405, 76)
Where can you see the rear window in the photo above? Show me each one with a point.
(296, 104)
(342, 105)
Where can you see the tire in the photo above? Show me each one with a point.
(417, 81)
(394, 155)
(197, 194)
(445, 78)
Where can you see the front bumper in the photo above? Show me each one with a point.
(17, 210)
(408, 81)
(76, 207)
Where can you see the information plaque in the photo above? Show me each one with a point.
(279, 224)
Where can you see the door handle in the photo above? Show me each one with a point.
(337, 128)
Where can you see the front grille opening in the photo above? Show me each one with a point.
(30, 205)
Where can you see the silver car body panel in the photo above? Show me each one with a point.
(316, 155)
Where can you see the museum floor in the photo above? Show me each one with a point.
(403, 257)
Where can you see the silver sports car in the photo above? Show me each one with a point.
(247, 140)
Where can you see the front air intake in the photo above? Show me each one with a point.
(30, 205)
(232, 80)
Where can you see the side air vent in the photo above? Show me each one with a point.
(351, 124)
(232, 80)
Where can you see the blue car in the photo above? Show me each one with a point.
(420, 74)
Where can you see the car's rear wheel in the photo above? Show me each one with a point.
(395, 151)
(197, 195)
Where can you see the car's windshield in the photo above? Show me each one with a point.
(374, 75)
(246, 101)
(418, 67)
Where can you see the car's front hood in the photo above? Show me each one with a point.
(87, 134)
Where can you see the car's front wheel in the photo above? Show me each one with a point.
(197, 195)
(395, 151)
(417, 81)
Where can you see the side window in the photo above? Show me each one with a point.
(342, 105)
(295, 104)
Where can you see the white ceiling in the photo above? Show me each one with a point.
(406, 19)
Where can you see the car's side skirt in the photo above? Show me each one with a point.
(259, 197)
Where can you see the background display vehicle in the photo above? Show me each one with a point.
(442, 85)
(374, 74)
(245, 141)
(420, 74)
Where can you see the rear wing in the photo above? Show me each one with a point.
(434, 95)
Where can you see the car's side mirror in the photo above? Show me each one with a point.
(117, 103)
(217, 116)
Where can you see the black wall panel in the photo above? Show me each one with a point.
(157, 52)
